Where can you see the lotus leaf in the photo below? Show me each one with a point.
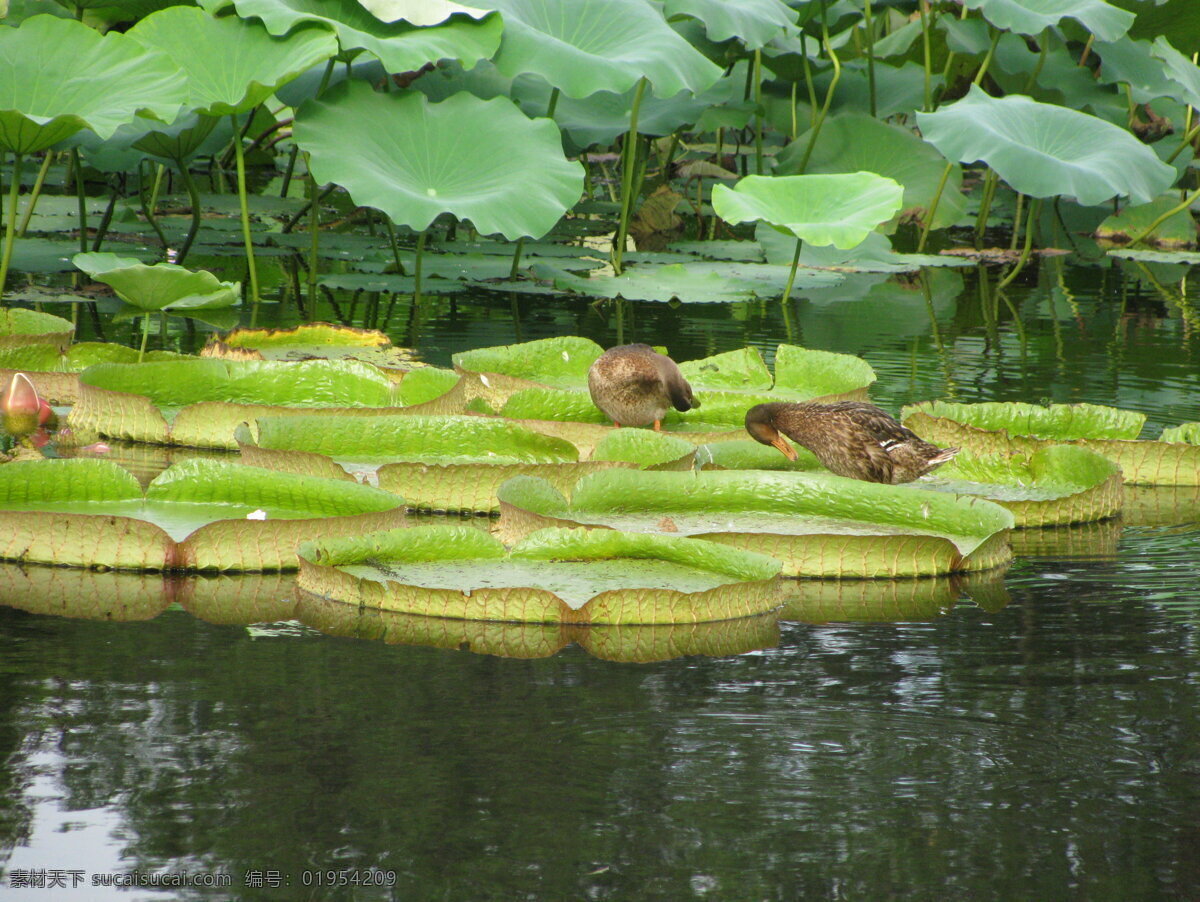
(401, 46)
(701, 282)
(20, 328)
(1129, 223)
(754, 22)
(1179, 69)
(817, 524)
(1128, 61)
(855, 142)
(1045, 151)
(840, 209)
(163, 286)
(599, 45)
(421, 12)
(415, 160)
(1021, 429)
(195, 516)
(59, 76)
(1107, 22)
(553, 576)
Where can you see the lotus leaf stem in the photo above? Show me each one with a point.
(1016, 235)
(148, 213)
(808, 82)
(815, 131)
(37, 193)
(325, 76)
(1035, 207)
(933, 205)
(553, 104)
(630, 158)
(158, 174)
(926, 24)
(417, 266)
(81, 198)
(287, 172)
(145, 335)
(241, 178)
(669, 158)
(391, 230)
(314, 235)
(985, 204)
(758, 113)
(14, 193)
(1188, 138)
(987, 60)
(787, 292)
(1087, 49)
(105, 219)
(871, 53)
(516, 263)
(792, 133)
(189, 185)
(1044, 40)
(1178, 208)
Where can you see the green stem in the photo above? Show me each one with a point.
(145, 335)
(158, 174)
(291, 168)
(628, 163)
(808, 81)
(1035, 207)
(815, 131)
(417, 268)
(1188, 137)
(37, 192)
(391, 230)
(987, 60)
(1037, 70)
(933, 205)
(787, 292)
(928, 56)
(758, 113)
(10, 229)
(106, 219)
(871, 54)
(985, 204)
(314, 237)
(516, 264)
(1016, 235)
(148, 213)
(553, 104)
(81, 197)
(1182, 205)
(241, 179)
(194, 199)
(670, 157)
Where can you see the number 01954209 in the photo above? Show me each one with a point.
(348, 877)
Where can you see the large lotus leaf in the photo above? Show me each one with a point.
(1130, 62)
(841, 209)
(197, 515)
(163, 286)
(1107, 22)
(400, 46)
(20, 327)
(1185, 432)
(599, 45)
(553, 576)
(1179, 69)
(421, 12)
(232, 64)
(1178, 20)
(183, 139)
(816, 524)
(1045, 151)
(1054, 485)
(415, 160)
(754, 22)
(1141, 462)
(856, 142)
(58, 76)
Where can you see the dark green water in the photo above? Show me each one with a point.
(1047, 748)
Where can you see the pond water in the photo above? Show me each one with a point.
(1039, 740)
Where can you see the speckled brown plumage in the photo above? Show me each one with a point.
(635, 386)
(850, 438)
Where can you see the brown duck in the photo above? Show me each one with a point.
(635, 386)
(850, 438)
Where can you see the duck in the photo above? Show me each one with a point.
(634, 385)
(850, 438)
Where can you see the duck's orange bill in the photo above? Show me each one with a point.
(785, 446)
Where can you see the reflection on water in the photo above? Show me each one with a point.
(1025, 735)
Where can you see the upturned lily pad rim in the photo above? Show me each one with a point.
(1061, 422)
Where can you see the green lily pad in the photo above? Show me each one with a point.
(816, 524)
(1184, 432)
(553, 576)
(401, 46)
(1043, 150)
(53, 370)
(1177, 231)
(600, 45)
(703, 282)
(1179, 69)
(198, 515)
(201, 401)
(1014, 428)
(20, 328)
(232, 64)
(1185, 258)
(65, 76)
(441, 463)
(163, 286)
(415, 160)
(629, 643)
(311, 341)
(841, 209)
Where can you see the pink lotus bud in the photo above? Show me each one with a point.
(21, 407)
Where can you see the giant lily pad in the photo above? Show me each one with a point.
(53, 370)
(1044, 150)
(108, 595)
(1015, 428)
(1185, 432)
(400, 45)
(415, 160)
(889, 600)
(816, 524)
(443, 463)
(553, 576)
(198, 515)
(840, 209)
(20, 328)
(629, 643)
(61, 76)
(163, 286)
(599, 45)
(201, 401)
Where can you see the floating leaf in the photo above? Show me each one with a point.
(415, 160)
(1045, 151)
(818, 209)
(1128, 223)
(163, 286)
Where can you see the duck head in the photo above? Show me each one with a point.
(760, 423)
